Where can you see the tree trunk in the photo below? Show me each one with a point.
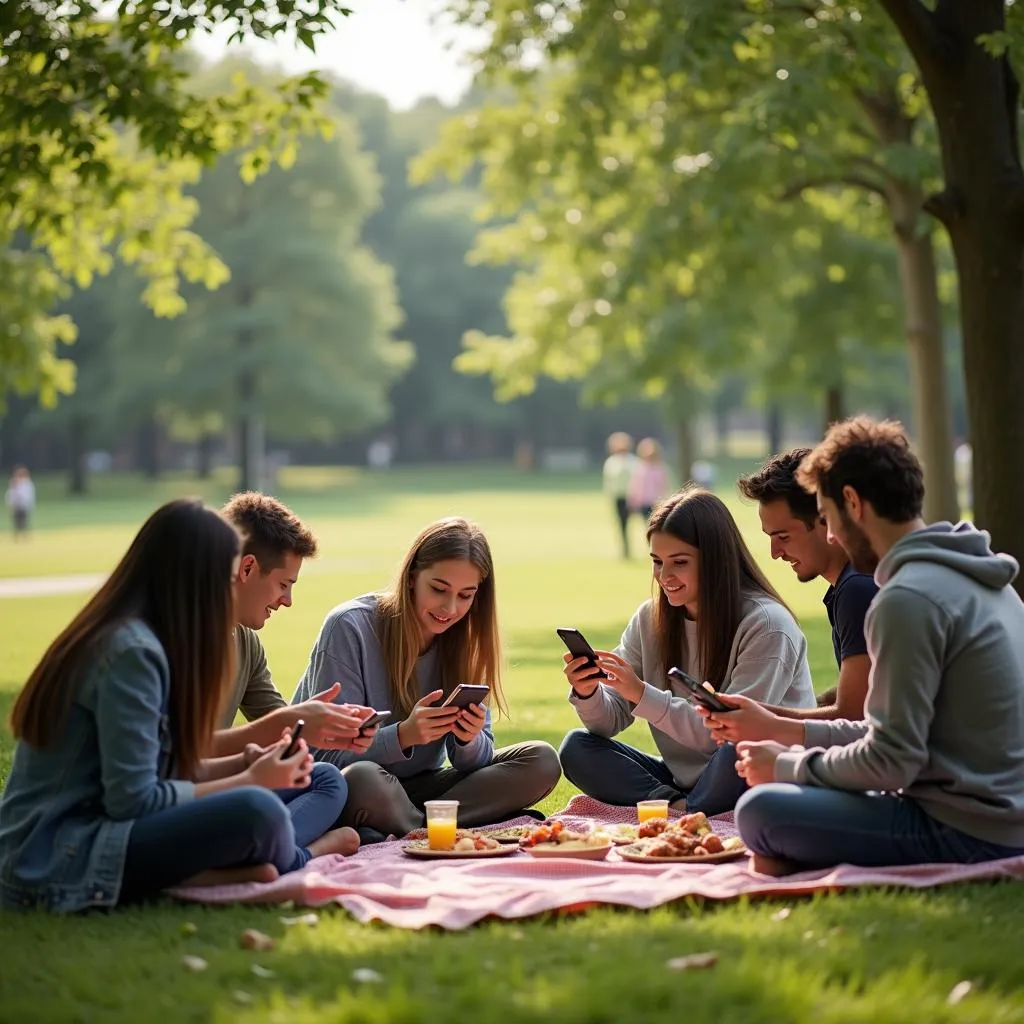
(975, 98)
(686, 445)
(774, 428)
(834, 404)
(78, 477)
(250, 422)
(922, 315)
(204, 456)
(148, 441)
(721, 431)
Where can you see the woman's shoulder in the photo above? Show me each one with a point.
(357, 615)
(763, 613)
(132, 634)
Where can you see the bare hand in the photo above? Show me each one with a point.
(425, 723)
(756, 761)
(271, 772)
(584, 677)
(750, 720)
(469, 723)
(332, 726)
(621, 677)
(252, 753)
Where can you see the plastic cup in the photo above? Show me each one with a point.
(648, 809)
(442, 822)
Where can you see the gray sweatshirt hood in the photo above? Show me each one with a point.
(962, 548)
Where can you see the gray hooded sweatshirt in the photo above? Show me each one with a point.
(945, 705)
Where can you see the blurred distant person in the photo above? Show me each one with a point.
(380, 453)
(21, 500)
(618, 472)
(649, 482)
(963, 463)
(702, 472)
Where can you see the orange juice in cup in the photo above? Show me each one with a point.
(442, 821)
(648, 809)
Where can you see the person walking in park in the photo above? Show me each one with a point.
(617, 474)
(20, 498)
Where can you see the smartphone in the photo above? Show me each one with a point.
(294, 745)
(375, 719)
(701, 694)
(465, 694)
(578, 646)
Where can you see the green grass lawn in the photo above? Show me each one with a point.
(855, 957)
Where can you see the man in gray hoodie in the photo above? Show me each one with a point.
(935, 773)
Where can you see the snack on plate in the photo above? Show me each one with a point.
(556, 834)
(689, 836)
(509, 834)
(475, 842)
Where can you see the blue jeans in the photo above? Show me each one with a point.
(315, 809)
(237, 828)
(616, 773)
(819, 828)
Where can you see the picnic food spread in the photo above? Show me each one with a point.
(689, 836)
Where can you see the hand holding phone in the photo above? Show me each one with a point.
(579, 647)
(465, 694)
(294, 745)
(374, 720)
(700, 693)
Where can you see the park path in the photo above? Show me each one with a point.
(44, 586)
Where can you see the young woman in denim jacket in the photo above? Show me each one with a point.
(110, 798)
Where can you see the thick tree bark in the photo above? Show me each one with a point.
(975, 98)
(922, 313)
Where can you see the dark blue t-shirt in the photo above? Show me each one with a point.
(846, 604)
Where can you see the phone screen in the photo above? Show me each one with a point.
(465, 694)
(577, 644)
(701, 694)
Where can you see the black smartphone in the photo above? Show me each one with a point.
(465, 694)
(375, 719)
(294, 745)
(578, 646)
(701, 694)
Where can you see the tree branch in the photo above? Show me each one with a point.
(915, 23)
(826, 180)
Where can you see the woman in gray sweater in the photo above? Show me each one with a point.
(406, 649)
(715, 616)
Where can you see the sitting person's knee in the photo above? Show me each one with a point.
(573, 751)
(260, 812)
(327, 778)
(545, 768)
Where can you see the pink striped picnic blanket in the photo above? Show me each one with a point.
(381, 883)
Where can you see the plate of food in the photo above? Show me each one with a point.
(688, 840)
(622, 833)
(555, 840)
(509, 834)
(466, 846)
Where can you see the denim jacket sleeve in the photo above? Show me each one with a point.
(130, 706)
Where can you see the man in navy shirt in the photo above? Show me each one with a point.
(790, 518)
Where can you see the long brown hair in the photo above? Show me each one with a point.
(176, 577)
(469, 651)
(727, 573)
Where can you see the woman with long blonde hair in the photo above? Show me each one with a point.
(405, 650)
(112, 796)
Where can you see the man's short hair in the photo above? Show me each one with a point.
(270, 530)
(776, 481)
(874, 458)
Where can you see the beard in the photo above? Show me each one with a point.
(857, 546)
